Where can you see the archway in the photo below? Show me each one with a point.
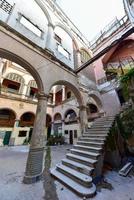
(36, 135)
(23, 63)
(7, 117)
(70, 117)
(27, 119)
(92, 111)
(57, 124)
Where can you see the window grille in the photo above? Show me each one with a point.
(7, 7)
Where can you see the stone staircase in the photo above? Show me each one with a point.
(79, 167)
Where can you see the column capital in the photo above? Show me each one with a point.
(42, 96)
(82, 107)
(78, 51)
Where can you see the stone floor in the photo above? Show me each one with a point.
(12, 166)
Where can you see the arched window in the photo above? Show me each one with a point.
(13, 83)
(32, 89)
(57, 118)
(84, 56)
(70, 117)
(7, 118)
(27, 119)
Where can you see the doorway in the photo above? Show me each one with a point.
(71, 137)
(7, 138)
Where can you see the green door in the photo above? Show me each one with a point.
(7, 138)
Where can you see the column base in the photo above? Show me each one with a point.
(32, 179)
(35, 163)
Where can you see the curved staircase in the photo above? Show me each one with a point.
(80, 166)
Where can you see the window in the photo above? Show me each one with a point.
(25, 22)
(57, 38)
(66, 132)
(84, 56)
(22, 134)
(63, 51)
(68, 95)
(75, 133)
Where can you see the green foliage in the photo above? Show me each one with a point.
(128, 76)
(127, 123)
(54, 140)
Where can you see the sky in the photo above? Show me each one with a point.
(90, 16)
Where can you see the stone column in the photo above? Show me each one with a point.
(24, 90)
(14, 132)
(83, 118)
(63, 93)
(52, 128)
(35, 160)
(50, 41)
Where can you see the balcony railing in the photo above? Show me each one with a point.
(111, 28)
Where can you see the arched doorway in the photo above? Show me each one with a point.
(27, 119)
(7, 121)
(57, 124)
(92, 111)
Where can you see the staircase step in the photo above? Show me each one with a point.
(95, 135)
(88, 148)
(86, 161)
(75, 175)
(86, 154)
(76, 187)
(78, 166)
(96, 132)
(92, 139)
(95, 144)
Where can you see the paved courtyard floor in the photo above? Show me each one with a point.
(12, 166)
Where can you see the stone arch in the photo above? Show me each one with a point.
(69, 33)
(23, 63)
(74, 89)
(97, 99)
(70, 116)
(45, 11)
(7, 121)
(27, 119)
(14, 78)
(57, 116)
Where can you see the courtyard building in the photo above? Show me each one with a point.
(54, 83)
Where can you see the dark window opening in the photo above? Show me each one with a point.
(66, 132)
(57, 38)
(22, 133)
(75, 133)
(68, 95)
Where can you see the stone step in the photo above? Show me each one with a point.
(96, 132)
(86, 154)
(98, 129)
(78, 166)
(75, 175)
(94, 144)
(99, 139)
(86, 161)
(95, 135)
(101, 126)
(73, 185)
(88, 148)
